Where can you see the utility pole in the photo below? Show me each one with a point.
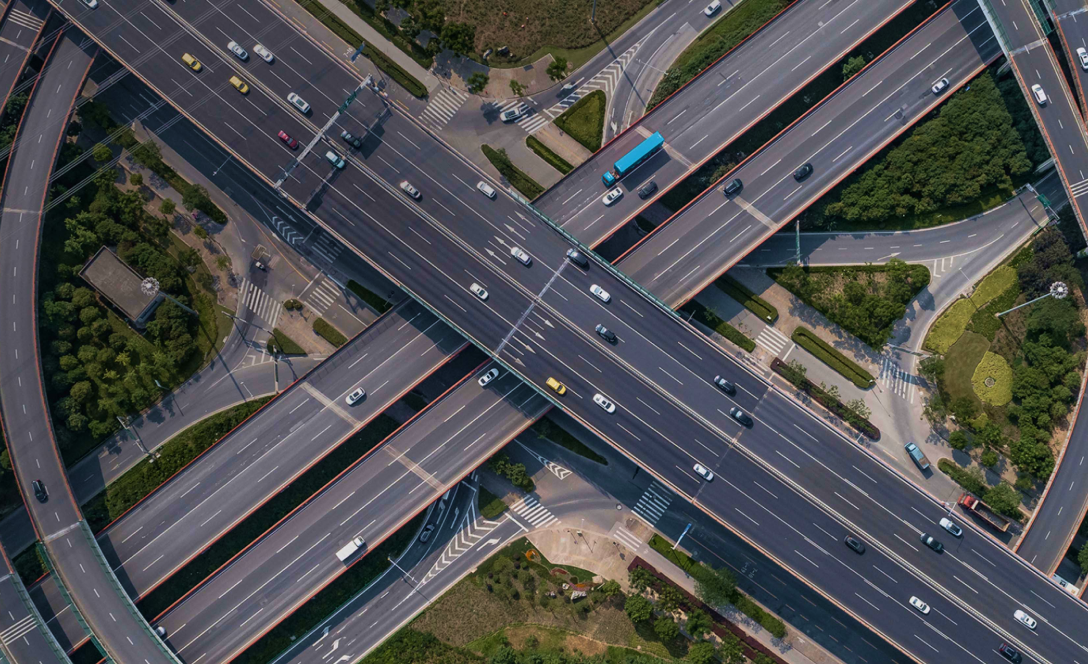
(797, 237)
(593, 16)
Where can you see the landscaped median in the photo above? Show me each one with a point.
(326, 331)
(377, 302)
(280, 343)
(828, 401)
(807, 339)
(544, 152)
(584, 121)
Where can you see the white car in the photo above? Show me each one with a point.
(355, 396)
(713, 8)
(488, 377)
(478, 291)
(298, 102)
(601, 293)
(265, 54)
(1040, 96)
(947, 524)
(237, 50)
(93, 4)
(410, 190)
(1028, 621)
(335, 159)
(1082, 55)
(160, 630)
(703, 472)
(939, 86)
(486, 189)
(602, 401)
(521, 256)
(514, 113)
(612, 196)
(922, 607)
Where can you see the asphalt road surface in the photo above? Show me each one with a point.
(24, 639)
(715, 108)
(1071, 19)
(34, 454)
(715, 231)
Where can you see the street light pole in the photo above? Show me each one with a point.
(1058, 291)
(401, 569)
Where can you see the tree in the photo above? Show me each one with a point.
(715, 587)
(167, 207)
(699, 623)
(610, 588)
(958, 440)
(852, 66)
(666, 629)
(517, 88)
(670, 599)
(101, 153)
(640, 579)
(477, 81)
(859, 408)
(557, 69)
(459, 38)
(148, 154)
(701, 653)
(1082, 558)
(932, 369)
(195, 197)
(638, 608)
(731, 652)
(965, 409)
(989, 458)
(136, 180)
(1004, 499)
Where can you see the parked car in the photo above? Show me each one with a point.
(265, 54)
(647, 190)
(488, 377)
(703, 472)
(932, 542)
(356, 394)
(917, 456)
(725, 385)
(939, 86)
(298, 102)
(237, 50)
(287, 140)
(855, 544)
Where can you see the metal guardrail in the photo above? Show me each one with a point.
(999, 31)
(41, 626)
(1041, 16)
(43, 552)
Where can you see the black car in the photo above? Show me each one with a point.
(725, 385)
(740, 416)
(854, 544)
(803, 172)
(606, 334)
(734, 187)
(647, 190)
(351, 139)
(578, 259)
(932, 542)
(1010, 653)
(39, 491)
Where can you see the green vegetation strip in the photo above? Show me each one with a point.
(807, 339)
(733, 28)
(752, 302)
(949, 327)
(268, 515)
(345, 32)
(972, 481)
(490, 505)
(336, 594)
(329, 333)
(145, 477)
(545, 153)
(514, 175)
(387, 29)
(826, 400)
(192, 196)
(711, 319)
(378, 303)
(280, 343)
(584, 121)
(698, 570)
(546, 428)
(29, 565)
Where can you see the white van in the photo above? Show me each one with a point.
(349, 549)
(486, 189)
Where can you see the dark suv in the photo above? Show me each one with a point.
(932, 542)
(1010, 654)
(734, 187)
(39, 491)
(647, 190)
(578, 259)
(606, 334)
(854, 544)
(803, 172)
(351, 139)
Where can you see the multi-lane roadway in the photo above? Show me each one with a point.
(24, 639)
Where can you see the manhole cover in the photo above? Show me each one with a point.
(990, 382)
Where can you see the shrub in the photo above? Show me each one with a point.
(698, 623)
(377, 302)
(477, 81)
(325, 330)
(638, 608)
(529, 187)
(1082, 558)
(167, 207)
(101, 153)
(491, 506)
(823, 351)
(666, 629)
(989, 458)
(970, 479)
(546, 153)
(584, 121)
(825, 397)
(701, 653)
(958, 440)
(715, 587)
(640, 579)
(515, 472)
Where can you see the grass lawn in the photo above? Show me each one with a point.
(279, 342)
(325, 330)
(960, 362)
(545, 153)
(521, 181)
(947, 329)
(546, 428)
(490, 505)
(584, 121)
(995, 283)
(993, 366)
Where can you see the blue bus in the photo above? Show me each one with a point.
(633, 159)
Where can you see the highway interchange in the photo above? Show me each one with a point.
(523, 346)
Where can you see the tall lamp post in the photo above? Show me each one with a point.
(1058, 291)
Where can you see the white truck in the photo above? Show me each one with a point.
(349, 549)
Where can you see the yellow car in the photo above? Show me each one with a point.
(192, 62)
(559, 388)
(239, 85)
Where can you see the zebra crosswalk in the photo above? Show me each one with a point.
(260, 303)
(18, 630)
(896, 380)
(606, 80)
(653, 503)
(531, 510)
(1079, 189)
(626, 537)
(443, 106)
(321, 295)
(326, 246)
(531, 122)
(25, 19)
(772, 340)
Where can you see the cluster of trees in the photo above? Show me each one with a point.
(868, 307)
(100, 370)
(430, 15)
(500, 464)
(972, 145)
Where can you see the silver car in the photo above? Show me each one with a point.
(355, 396)
(521, 256)
(488, 377)
(265, 54)
(703, 472)
(237, 50)
(952, 528)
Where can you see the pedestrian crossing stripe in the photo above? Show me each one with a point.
(627, 538)
(443, 106)
(772, 340)
(605, 80)
(322, 296)
(895, 379)
(531, 122)
(530, 510)
(326, 246)
(260, 303)
(653, 503)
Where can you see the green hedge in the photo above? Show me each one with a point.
(145, 477)
(829, 402)
(491, 506)
(544, 152)
(345, 32)
(378, 303)
(529, 187)
(584, 121)
(712, 320)
(752, 302)
(546, 428)
(960, 476)
(329, 333)
(807, 339)
(387, 29)
(280, 343)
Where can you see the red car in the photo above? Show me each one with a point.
(290, 142)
